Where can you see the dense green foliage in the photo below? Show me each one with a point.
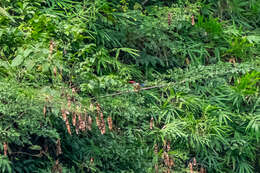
(65, 62)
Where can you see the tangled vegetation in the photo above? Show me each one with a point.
(129, 86)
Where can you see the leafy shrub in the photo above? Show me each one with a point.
(68, 102)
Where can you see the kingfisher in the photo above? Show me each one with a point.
(137, 86)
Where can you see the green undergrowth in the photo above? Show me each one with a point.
(66, 103)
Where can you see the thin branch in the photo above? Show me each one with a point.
(24, 153)
(142, 89)
(145, 1)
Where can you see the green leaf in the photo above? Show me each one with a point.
(5, 13)
(45, 67)
(3, 64)
(253, 38)
(27, 52)
(35, 147)
(17, 61)
(29, 65)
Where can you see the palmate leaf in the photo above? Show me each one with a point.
(254, 126)
(244, 167)
(194, 111)
(5, 164)
(132, 52)
(253, 39)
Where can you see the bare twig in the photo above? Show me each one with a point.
(131, 91)
(142, 89)
(24, 153)
(145, 1)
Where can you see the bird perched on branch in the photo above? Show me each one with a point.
(137, 86)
